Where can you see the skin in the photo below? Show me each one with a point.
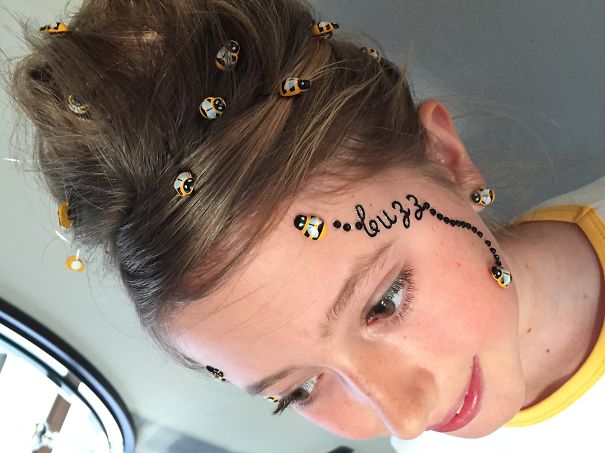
(398, 378)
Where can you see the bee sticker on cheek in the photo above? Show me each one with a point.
(314, 227)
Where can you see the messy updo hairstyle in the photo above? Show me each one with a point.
(143, 67)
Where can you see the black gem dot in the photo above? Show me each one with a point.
(359, 226)
(468, 226)
(498, 263)
(497, 257)
(480, 234)
(493, 250)
(489, 243)
(474, 229)
(440, 216)
(426, 205)
(346, 227)
(433, 211)
(446, 219)
(337, 224)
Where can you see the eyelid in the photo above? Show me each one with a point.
(391, 281)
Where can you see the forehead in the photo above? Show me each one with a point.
(283, 288)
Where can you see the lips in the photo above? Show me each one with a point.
(470, 401)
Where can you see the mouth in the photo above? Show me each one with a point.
(467, 407)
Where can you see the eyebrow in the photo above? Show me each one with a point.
(361, 269)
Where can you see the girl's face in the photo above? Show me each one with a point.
(394, 367)
(396, 356)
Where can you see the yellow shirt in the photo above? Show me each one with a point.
(586, 208)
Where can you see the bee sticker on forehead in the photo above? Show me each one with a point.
(311, 226)
(402, 213)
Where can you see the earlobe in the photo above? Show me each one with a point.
(444, 144)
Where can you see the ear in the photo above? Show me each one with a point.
(445, 146)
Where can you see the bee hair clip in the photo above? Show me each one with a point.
(56, 28)
(228, 56)
(293, 87)
(212, 107)
(184, 184)
(77, 105)
(216, 373)
(372, 52)
(323, 29)
(64, 216)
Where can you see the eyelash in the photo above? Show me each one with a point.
(404, 282)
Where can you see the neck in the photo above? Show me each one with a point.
(560, 309)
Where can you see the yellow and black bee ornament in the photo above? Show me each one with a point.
(64, 220)
(293, 87)
(211, 108)
(275, 399)
(75, 264)
(502, 276)
(57, 27)
(184, 184)
(373, 52)
(77, 105)
(312, 227)
(323, 29)
(483, 196)
(216, 373)
(228, 56)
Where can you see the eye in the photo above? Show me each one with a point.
(299, 397)
(394, 306)
(397, 301)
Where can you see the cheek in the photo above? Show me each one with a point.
(460, 306)
(344, 419)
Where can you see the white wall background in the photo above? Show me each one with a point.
(526, 83)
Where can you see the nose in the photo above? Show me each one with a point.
(400, 396)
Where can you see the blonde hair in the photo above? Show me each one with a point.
(143, 67)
